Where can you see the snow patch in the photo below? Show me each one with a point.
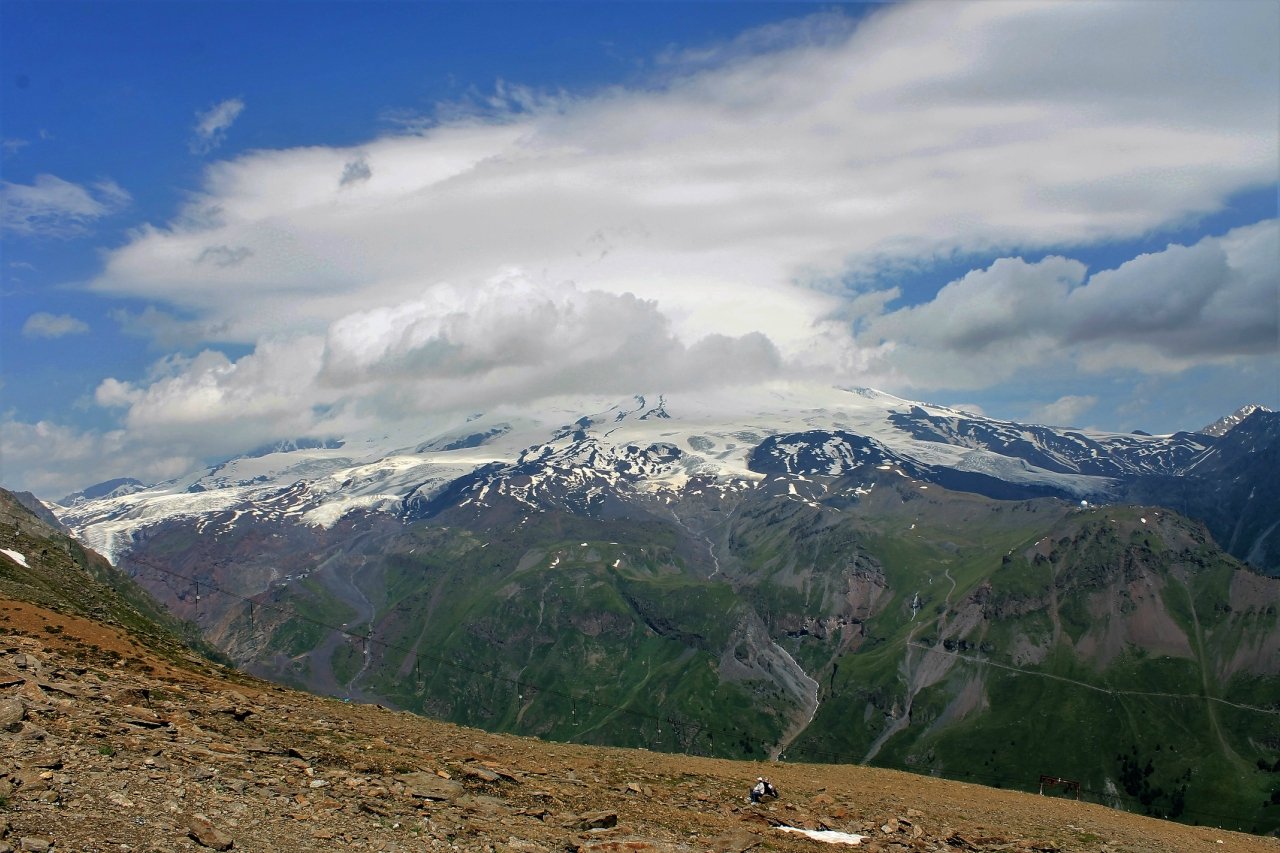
(830, 836)
(20, 559)
(328, 514)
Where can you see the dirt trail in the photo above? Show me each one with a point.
(931, 668)
(903, 718)
(1205, 681)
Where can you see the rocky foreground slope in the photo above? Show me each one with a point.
(107, 746)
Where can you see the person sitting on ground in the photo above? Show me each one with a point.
(762, 788)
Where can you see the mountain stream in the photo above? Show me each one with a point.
(339, 578)
(806, 690)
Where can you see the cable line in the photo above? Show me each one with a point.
(1109, 690)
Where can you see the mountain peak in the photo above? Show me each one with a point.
(107, 489)
(291, 445)
(1224, 425)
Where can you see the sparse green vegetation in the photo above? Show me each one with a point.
(66, 578)
(345, 661)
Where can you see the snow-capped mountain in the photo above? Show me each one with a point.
(798, 571)
(105, 491)
(591, 456)
(1224, 425)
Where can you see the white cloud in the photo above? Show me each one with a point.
(53, 460)
(45, 325)
(704, 229)
(1217, 301)
(53, 207)
(1215, 298)
(814, 160)
(509, 340)
(513, 339)
(1063, 411)
(212, 125)
(165, 329)
(185, 398)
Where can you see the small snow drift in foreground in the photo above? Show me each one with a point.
(830, 836)
(16, 557)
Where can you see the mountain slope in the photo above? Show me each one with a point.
(882, 620)
(1126, 638)
(150, 757)
(1232, 488)
(43, 565)
(803, 574)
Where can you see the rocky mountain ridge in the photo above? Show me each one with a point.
(1225, 424)
(596, 456)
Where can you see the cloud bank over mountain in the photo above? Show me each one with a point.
(1161, 312)
(749, 214)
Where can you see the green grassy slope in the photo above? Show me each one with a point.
(62, 575)
(946, 633)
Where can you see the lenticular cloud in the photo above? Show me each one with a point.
(738, 218)
(724, 195)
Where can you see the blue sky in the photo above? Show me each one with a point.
(229, 223)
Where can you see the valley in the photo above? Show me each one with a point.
(843, 578)
(118, 734)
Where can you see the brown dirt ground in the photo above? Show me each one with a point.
(120, 749)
